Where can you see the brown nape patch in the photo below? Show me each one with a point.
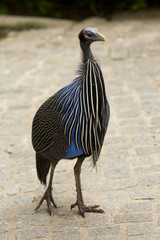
(81, 36)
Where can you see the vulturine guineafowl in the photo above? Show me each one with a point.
(72, 123)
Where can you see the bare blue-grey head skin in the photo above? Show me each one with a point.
(87, 36)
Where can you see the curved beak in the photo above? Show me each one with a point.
(100, 37)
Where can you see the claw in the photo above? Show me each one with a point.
(83, 208)
(73, 205)
(49, 199)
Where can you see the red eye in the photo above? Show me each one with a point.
(89, 35)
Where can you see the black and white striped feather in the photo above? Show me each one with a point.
(81, 109)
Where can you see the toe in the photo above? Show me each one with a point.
(50, 211)
(95, 206)
(73, 205)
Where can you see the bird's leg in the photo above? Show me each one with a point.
(48, 193)
(80, 203)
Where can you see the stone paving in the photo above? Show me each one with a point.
(35, 64)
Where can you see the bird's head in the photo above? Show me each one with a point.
(89, 35)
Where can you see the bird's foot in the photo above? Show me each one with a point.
(49, 199)
(83, 208)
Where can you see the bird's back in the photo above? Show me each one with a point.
(48, 137)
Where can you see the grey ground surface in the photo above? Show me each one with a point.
(34, 65)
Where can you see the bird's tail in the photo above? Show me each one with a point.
(43, 166)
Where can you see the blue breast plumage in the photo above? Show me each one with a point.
(85, 110)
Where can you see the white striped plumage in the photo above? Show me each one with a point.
(82, 114)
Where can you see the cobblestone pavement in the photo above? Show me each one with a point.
(35, 64)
